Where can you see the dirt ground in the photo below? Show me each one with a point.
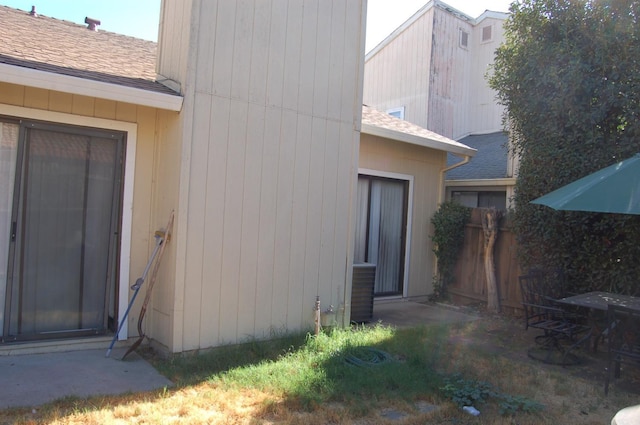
(506, 336)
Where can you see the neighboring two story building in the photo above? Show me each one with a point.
(432, 71)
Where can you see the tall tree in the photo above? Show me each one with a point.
(569, 76)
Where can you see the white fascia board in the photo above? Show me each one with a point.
(458, 149)
(81, 86)
(490, 14)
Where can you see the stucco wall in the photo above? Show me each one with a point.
(424, 165)
(154, 180)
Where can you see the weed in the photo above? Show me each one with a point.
(470, 392)
(464, 392)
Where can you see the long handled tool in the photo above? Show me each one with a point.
(166, 237)
(160, 239)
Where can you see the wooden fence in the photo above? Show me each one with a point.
(470, 280)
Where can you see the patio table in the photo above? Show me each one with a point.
(599, 301)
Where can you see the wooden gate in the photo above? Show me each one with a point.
(470, 281)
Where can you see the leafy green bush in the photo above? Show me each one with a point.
(576, 117)
(448, 238)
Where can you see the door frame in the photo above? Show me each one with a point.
(407, 248)
(131, 130)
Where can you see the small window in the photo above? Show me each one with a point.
(481, 199)
(464, 38)
(486, 33)
(396, 112)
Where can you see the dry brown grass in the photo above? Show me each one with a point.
(491, 349)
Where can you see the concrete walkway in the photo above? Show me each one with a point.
(35, 379)
(408, 313)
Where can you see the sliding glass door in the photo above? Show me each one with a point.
(62, 242)
(381, 222)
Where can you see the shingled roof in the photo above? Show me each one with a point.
(61, 47)
(489, 163)
(382, 124)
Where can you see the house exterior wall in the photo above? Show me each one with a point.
(450, 71)
(424, 165)
(174, 37)
(441, 84)
(270, 130)
(486, 115)
(151, 201)
(398, 75)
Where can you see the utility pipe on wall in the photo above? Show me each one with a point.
(465, 160)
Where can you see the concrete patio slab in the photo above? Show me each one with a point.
(409, 313)
(36, 379)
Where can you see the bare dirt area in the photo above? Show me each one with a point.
(573, 392)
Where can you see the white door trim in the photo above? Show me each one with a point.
(127, 197)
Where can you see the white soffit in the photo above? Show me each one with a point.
(74, 85)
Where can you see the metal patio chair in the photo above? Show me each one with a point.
(624, 340)
(563, 331)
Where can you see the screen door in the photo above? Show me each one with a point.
(63, 247)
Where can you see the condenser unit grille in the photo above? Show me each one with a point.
(364, 278)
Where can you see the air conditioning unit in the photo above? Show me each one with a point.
(364, 279)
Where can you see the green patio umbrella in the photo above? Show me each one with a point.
(615, 189)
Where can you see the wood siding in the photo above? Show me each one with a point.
(398, 75)
(173, 38)
(485, 116)
(270, 130)
(441, 84)
(424, 165)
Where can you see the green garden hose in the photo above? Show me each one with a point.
(367, 357)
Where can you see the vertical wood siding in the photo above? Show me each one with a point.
(275, 101)
(399, 74)
(486, 117)
(174, 36)
(441, 85)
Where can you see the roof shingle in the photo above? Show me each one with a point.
(386, 121)
(489, 163)
(62, 47)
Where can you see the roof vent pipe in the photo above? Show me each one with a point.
(33, 12)
(92, 24)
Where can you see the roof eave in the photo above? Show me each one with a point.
(386, 133)
(67, 84)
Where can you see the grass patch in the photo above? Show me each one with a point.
(330, 367)
(347, 376)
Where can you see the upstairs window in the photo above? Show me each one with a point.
(396, 112)
(464, 39)
(487, 33)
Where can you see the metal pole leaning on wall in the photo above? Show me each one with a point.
(136, 287)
